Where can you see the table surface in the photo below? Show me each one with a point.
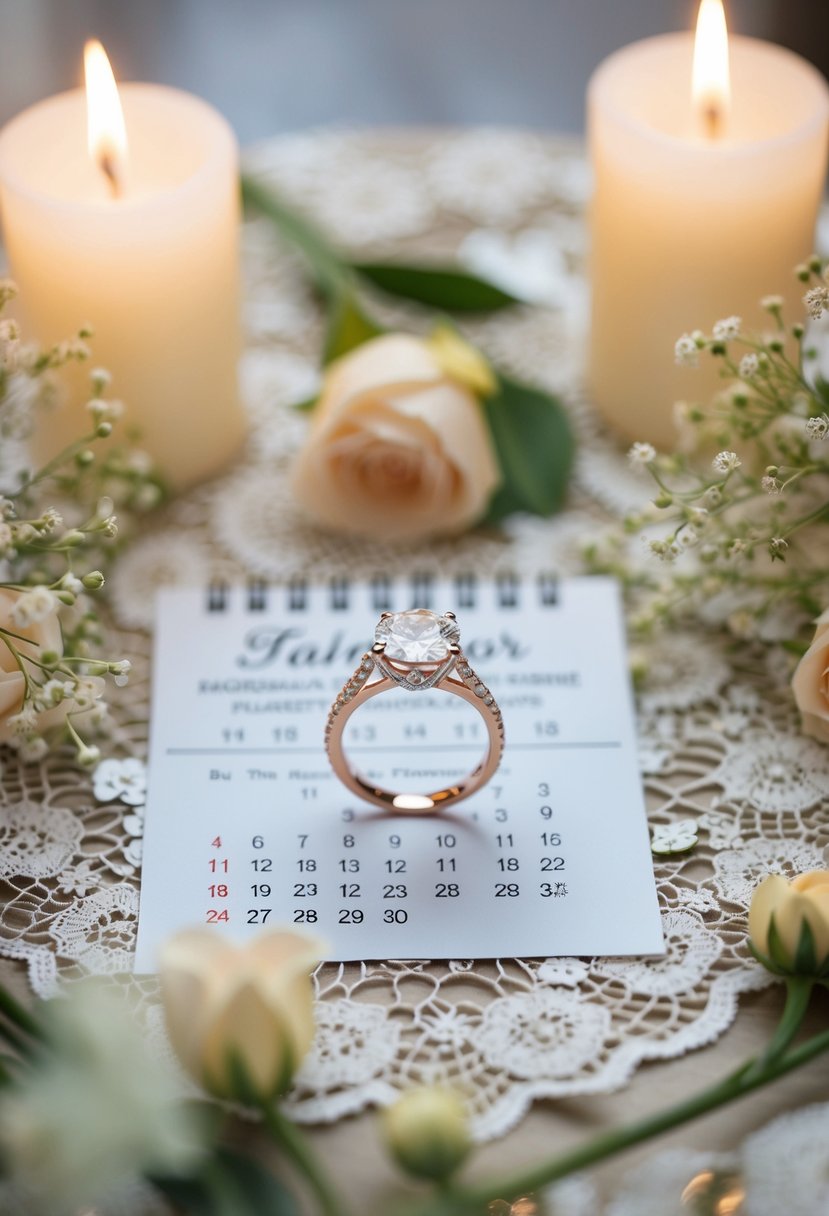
(712, 726)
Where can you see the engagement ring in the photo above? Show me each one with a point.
(415, 650)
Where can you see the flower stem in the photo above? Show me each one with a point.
(288, 1136)
(749, 1077)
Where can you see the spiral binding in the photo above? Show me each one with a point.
(510, 589)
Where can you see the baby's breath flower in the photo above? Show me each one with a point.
(686, 351)
(816, 301)
(121, 671)
(698, 518)
(770, 484)
(772, 303)
(8, 290)
(777, 546)
(666, 550)
(728, 328)
(749, 366)
(737, 548)
(32, 606)
(726, 462)
(642, 454)
(87, 756)
(33, 749)
(818, 428)
(712, 496)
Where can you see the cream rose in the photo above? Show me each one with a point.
(39, 637)
(398, 445)
(790, 906)
(234, 1010)
(810, 683)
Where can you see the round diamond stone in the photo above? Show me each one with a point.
(418, 636)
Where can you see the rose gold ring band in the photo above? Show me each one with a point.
(378, 673)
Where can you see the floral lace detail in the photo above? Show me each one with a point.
(712, 726)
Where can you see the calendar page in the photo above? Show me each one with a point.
(247, 825)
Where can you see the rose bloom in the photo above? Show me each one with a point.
(40, 637)
(804, 900)
(398, 447)
(810, 683)
(240, 1008)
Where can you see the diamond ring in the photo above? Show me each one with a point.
(414, 650)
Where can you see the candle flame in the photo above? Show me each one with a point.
(710, 77)
(107, 135)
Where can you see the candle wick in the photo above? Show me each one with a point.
(712, 117)
(109, 167)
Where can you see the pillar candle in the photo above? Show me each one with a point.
(153, 271)
(690, 225)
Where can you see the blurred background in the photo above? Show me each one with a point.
(280, 65)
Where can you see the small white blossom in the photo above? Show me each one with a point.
(816, 301)
(688, 539)
(53, 692)
(121, 671)
(818, 428)
(777, 545)
(642, 454)
(72, 584)
(109, 526)
(32, 606)
(87, 756)
(712, 496)
(665, 550)
(22, 723)
(86, 691)
(749, 365)
(686, 351)
(770, 484)
(737, 548)
(726, 462)
(51, 519)
(33, 749)
(698, 518)
(122, 779)
(772, 303)
(728, 328)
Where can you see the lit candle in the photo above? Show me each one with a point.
(704, 202)
(130, 224)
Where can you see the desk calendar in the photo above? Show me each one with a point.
(248, 827)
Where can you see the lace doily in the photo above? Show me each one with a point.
(719, 741)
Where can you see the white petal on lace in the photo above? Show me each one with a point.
(125, 779)
(37, 841)
(786, 1167)
(544, 1034)
(692, 949)
(737, 872)
(776, 772)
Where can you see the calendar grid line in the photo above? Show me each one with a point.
(403, 747)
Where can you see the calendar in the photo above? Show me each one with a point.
(247, 827)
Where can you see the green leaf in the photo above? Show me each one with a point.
(534, 443)
(305, 407)
(438, 286)
(348, 326)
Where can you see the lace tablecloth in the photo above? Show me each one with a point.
(719, 741)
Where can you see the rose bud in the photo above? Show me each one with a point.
(810, 683)
(427, 1132)
(788, 924)
(240, 1017)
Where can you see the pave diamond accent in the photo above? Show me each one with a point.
(417, 636)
